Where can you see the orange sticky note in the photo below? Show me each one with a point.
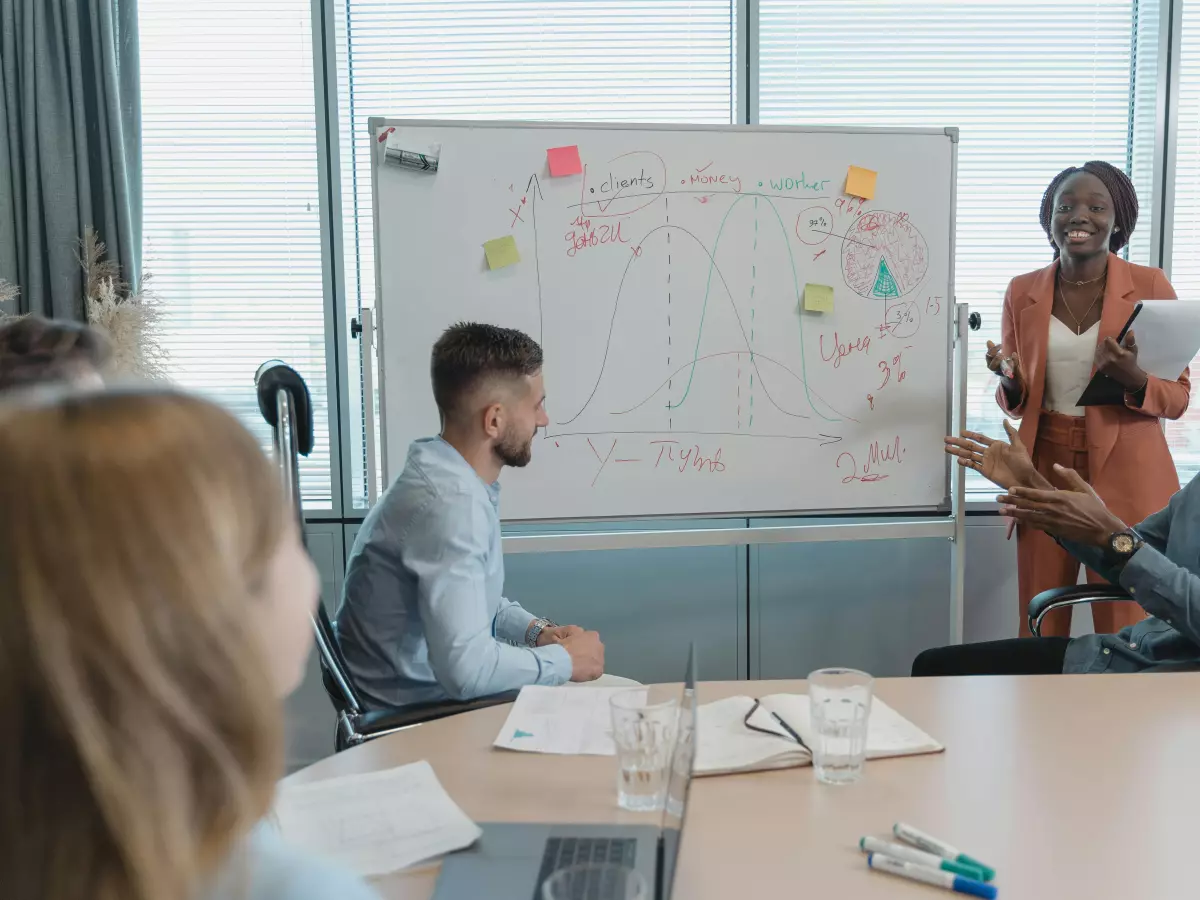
(502, 252)
(861, 183)
(564, 161)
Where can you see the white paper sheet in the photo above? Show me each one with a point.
(1168, 336)
(560, 720)
(377, 822)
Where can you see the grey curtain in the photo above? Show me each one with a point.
(70, 145)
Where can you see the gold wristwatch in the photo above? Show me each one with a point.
(1122, 545)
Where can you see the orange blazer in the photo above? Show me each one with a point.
(1128, 460)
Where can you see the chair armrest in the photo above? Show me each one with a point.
(377, 722)
(1058, 598)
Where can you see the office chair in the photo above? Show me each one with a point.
(1059, 598)
(285, 404)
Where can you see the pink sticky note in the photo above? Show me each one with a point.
(564, 161)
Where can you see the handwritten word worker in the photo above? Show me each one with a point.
(1059, 327)
(423, 617)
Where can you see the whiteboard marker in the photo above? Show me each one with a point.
(410, 159)
(930, 844)
(948, 880)
(920, 857)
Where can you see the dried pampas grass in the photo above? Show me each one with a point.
(8, 294)
(130, 319)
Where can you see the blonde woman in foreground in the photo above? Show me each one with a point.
(154, 603)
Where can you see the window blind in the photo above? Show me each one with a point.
(1033, 86)
(232, 225)
(620, 61)
(1183, 436)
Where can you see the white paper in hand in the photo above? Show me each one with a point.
(560, 720)
(1168, 336)
(375, 823)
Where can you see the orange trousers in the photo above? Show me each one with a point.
(1041, 563)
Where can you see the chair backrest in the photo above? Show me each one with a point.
(285, 403)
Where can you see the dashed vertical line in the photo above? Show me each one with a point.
(667, 207)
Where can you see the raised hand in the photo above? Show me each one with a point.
(1074, 512)
(1004, 464)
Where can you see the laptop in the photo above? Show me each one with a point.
(511, 861)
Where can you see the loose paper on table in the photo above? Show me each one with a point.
(564, 720)
(377, 822)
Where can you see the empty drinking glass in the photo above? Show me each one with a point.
(644, 734)
(588, 881)
(841, 707)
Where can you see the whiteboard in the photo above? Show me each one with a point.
(666, 284)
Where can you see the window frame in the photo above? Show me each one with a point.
(346, 386)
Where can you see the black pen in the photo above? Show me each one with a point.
(1128, 325)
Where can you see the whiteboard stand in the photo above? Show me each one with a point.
(952, 527)
(443, 219)
(368, 374)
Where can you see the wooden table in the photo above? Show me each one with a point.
(1070, 786)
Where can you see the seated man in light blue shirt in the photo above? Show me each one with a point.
(423, 617)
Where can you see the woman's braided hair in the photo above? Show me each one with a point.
(1125, 202)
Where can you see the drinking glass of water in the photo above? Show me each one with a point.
(841, 707)
(644, 734)
(595, 881)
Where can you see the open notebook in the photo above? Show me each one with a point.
(725, 745)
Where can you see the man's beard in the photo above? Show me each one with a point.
(513, 453)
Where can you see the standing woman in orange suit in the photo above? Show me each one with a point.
(1060, 327)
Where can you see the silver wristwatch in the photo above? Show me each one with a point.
(535, 629)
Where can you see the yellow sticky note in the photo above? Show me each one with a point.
(861, 183)
(502, 252)
(818, 298)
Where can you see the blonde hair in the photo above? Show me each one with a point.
(142, 734)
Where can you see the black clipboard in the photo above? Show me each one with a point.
(1102, 390)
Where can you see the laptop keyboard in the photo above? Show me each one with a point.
(562, 852)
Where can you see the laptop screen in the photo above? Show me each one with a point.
(680, 782)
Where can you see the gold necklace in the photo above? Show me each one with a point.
(1081, 283)
(1067, 307)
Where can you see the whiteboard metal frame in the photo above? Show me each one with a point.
(945, 508)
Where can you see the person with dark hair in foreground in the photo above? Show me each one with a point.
(1059, 324)
(34, 351)
(1157, 561)
(423, 617)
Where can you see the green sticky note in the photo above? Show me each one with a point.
(502, 252)
(818, 298)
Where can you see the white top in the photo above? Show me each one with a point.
(1069, 358)
(265, 868)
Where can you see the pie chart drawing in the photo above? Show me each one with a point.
(884, 255)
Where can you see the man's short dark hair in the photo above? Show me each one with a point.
(469, 353)
(34, 351)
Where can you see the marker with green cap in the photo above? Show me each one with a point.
(939, 848)
(920, 857)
